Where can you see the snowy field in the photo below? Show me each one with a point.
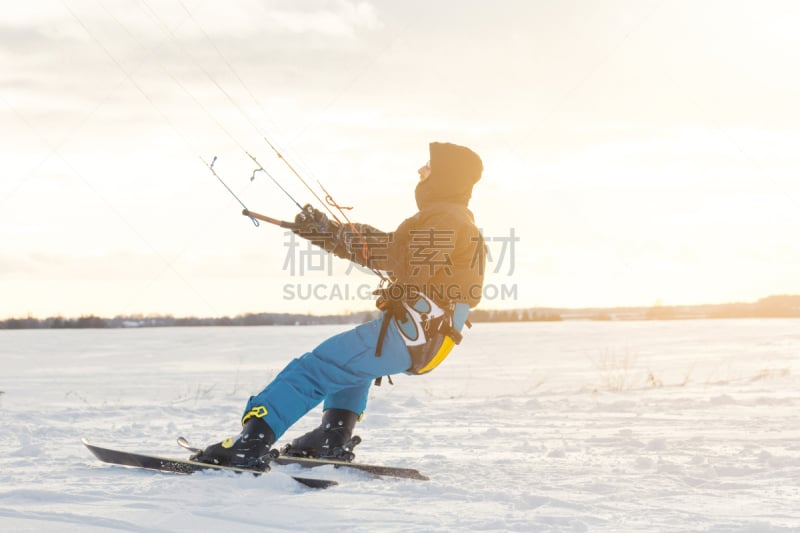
(572, 426)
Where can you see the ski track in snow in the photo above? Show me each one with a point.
(572, 426)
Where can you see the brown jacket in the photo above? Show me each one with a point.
(438, 251)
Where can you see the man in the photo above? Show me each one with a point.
(435, 262)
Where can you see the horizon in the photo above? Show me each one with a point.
(349, 313)
(636, 153)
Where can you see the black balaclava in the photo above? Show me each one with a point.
(454, 170)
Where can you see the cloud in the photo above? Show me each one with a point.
(20, 40)
(82, 51)
(334, 18)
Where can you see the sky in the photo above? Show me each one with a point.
(636, 152)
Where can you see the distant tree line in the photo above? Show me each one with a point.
(138, 321)
(513, 315)
(250, 319)
(778, 306)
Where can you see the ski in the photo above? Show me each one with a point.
(182, 466)
(376, 470)
(308, 462)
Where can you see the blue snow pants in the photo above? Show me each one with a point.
(339, 371)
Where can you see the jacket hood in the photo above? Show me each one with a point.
(454, 171)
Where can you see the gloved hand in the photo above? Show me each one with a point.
(312, 221)
(314, 225)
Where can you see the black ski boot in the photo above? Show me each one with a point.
(249, 449)
(331, 440)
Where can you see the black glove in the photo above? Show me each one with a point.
(313, 221)
(314, 225)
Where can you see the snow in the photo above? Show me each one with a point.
(571, 426)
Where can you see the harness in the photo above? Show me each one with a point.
(429, 331)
